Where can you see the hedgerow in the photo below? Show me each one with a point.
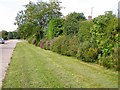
(93, 40)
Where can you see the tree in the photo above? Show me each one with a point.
(35, 18)
(10, 35)
(55, 28)
(15, 35)
(71, 25)
(4, 34)
(84, 31)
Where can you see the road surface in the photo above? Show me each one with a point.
(6, 51)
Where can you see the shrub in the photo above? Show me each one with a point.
(110, 61)
(56, 46)
(31, 39)
(65, 45)
(91, 54)
(43, 41)
(82, 48)
(47, 45)
(73, 45)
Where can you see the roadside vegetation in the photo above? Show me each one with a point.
(9, 35)
(32, 67)
(95, 41)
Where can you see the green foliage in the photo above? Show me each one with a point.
(65, 45)
(10, 35)
(46, 44)
(55, 28)
(50, 31)
(30, 39)
(82, 48)
(4, 34)
(110, 61)
(56, 47)
(86, 50)
(27, 29)
(73, 45)
(84, 31)
(15, 35)
(91, 54)
(105, 35)
(35, 18)
(71, 25)
(104, 32)
(94, 42)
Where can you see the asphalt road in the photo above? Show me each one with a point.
(6, 51)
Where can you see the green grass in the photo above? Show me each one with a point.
(32, 67)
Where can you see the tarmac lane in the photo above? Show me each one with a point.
(6, 51)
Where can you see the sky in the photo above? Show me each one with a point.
(10, 8)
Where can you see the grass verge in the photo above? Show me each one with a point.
(32, 67)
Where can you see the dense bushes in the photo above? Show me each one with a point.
(90, 46)
(56, 47)
(67, 45)
(87, 53)
(105, 35)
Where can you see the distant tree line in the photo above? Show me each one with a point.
(9, 35)
(96, 40)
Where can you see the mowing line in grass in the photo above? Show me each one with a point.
(32, 67)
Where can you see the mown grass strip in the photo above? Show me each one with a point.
(32, 67)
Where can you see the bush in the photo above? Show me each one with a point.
(56, 46)
(47, 45)
(65, 45)
(110, 61)
(91, 54)
(73, 45)
(43, 42)
(30, 39)
(34, 40)
(83, 47)
(68, 45)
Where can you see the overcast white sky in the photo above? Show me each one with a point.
(10, 8)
